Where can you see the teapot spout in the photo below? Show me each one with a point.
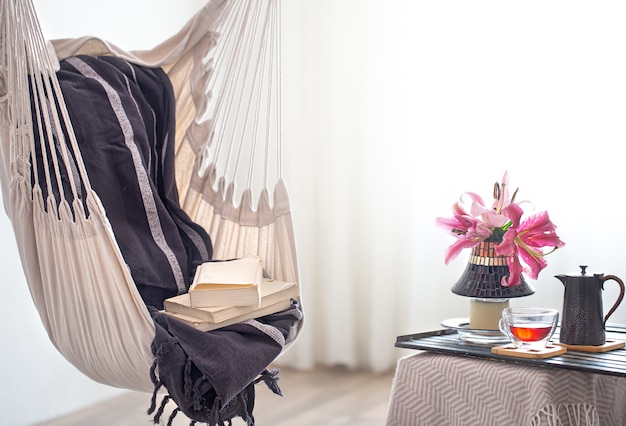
(564, 278)
(561, 278)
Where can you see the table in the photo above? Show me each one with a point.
(451, 382)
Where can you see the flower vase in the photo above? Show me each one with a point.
(482, 282)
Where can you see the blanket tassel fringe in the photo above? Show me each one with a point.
(269, 377)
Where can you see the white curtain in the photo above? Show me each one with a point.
(393, 109)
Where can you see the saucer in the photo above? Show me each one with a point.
(486, 337)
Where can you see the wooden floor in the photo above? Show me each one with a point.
(325, 396)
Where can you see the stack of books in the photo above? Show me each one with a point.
(228, 292)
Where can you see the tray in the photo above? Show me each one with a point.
(447, 341)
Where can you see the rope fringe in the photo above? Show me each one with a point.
(171, 419)
(270, 378)
(187, 376)
(218, 415)
(580, 414)
(249, 419)
(198, 398)
(159, 413)
(215, 418)
(154, 398)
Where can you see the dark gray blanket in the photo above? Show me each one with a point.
(211, 375)
(124, 120)
(123, 117)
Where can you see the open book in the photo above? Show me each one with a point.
(272, 292)
(234, 282)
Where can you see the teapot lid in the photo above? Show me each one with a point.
(584, 273)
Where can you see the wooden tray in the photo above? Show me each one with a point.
(447, 341)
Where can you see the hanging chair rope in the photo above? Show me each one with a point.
(245, 112)
(58, 150)
(237, 192)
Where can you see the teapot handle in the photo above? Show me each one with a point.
(619, 298)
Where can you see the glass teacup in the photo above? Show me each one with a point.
(529, 328)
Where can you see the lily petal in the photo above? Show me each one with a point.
(507, 247)
(538, 231)
(534, 263)
(453, 251)
(515, 272)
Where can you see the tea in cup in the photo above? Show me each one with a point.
(529, 328)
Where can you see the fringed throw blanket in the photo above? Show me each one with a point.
(123, 117)
(211, 375)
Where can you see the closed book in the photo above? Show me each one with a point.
(272, 292)
(234, 282)
(203, 325)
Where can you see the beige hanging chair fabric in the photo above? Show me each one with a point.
(78, 279)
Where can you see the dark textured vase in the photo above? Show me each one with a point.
(483, 275)
(482, 282)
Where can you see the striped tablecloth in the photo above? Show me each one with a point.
(441, 389)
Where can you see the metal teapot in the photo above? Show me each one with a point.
(583, 320)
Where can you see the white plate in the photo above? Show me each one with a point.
(461, 325)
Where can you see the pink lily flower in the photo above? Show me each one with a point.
(489, 216)
(493, 216)
(468, 230)
(525, 241)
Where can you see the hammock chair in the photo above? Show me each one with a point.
(223, 66)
